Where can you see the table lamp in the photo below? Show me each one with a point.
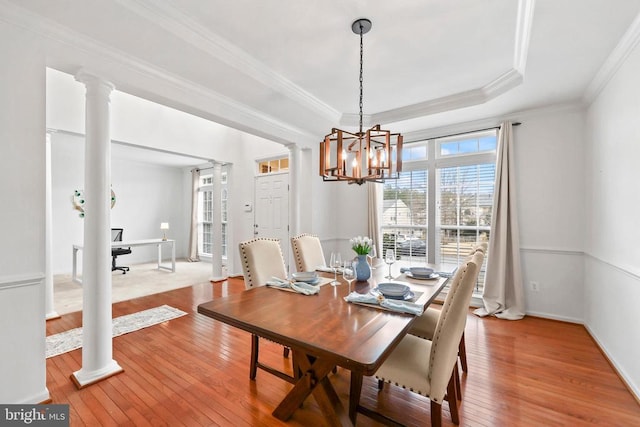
(164, 226)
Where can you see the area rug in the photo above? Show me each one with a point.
(72, 339)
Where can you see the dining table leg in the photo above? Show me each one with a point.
(354, 395)
(314, 380)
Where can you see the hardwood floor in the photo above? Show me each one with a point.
(195, 371)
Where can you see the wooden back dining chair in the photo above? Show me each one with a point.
(261, 260)
(307, 251)
(427, 367)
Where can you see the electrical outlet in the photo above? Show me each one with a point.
(535, 286)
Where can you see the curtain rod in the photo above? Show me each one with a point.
(206, 169)
(202, 169)
(471, 131)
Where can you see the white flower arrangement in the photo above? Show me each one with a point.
(361, 245)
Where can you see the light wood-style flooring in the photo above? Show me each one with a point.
(194, 371)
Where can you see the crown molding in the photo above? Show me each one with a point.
(182, 26)
(220, 108)
(232, 113)
(524, 22)
(614, 61)
(503, 83)
(500, 85)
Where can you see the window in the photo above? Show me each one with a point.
(205, 215)
(223, 206)
(273, 165)
(441, 204)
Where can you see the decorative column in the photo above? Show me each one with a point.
(97, 340)
(216, 220)
(50, 311)
(294, 189)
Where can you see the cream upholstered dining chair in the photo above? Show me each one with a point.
(425, 325)
(307, 252)
(427, 367)
(261, 260)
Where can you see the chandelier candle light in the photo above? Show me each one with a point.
(374, 155)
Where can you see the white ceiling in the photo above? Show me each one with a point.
(288, 70)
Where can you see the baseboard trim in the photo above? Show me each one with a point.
(41, 397)
(619, 372)
(634, 392)
(543, 315)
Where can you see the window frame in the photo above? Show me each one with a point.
(206, 186)
(433, 164)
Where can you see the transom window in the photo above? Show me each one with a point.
(280, 164)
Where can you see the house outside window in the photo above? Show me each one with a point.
(205, 215)
(455, 173)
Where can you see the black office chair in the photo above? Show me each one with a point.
(116, 236)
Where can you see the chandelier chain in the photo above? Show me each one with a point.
(361, 62)
(359, 157)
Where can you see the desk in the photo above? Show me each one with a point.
(131, 243)
(323, 331)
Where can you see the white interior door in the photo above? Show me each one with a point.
(271, 217)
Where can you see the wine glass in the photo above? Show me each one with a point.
(372, 256)
(349, 272)
(389, 258)
(335, 263)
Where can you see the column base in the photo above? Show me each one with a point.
(52, 315)
(82, 379)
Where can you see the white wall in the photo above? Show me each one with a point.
(143, 123)
(146, 195)
(549, 157)
(22, 191)
(246, 149)
(612, 273)
(549, 153)
(336, 212)
(137, 121)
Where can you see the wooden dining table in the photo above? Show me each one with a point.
(323, 331)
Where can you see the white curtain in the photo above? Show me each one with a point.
(503, 293)
(373, 221)
(193, 233)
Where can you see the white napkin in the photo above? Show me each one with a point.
(299, 287)
(390, 304)
(327, 269)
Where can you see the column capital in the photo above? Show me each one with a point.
(94, 80)
(293, 148)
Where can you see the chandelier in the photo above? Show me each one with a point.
(374, 155)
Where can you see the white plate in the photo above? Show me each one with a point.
(421, 271)
(433, 276)
(304, 276)
(406, 297)
(391, 289)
